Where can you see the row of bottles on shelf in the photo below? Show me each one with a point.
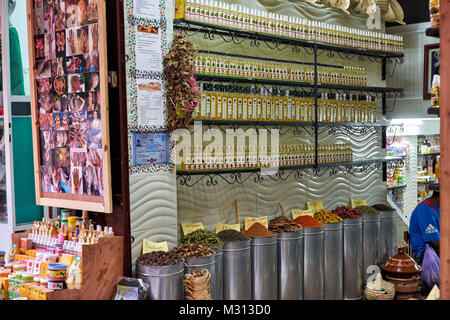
(429, 170)
(62, 236)
(428, 144)
(209, 64)
(241, 157)
(396, 176)
(254, 20)
(238, 103)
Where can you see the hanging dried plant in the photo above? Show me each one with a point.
(182, 94)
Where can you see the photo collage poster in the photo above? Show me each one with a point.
(67, 69)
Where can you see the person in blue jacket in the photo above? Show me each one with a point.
(424, 226)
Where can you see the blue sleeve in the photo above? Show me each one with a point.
(427, 224)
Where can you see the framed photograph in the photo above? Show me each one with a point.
(69, 104)
(431, 67)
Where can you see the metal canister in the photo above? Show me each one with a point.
(237, 271)
(333, 261)
(264, 268)
(193, 264)
(352, 258)
(313, 264)
(388, 235)
(290, 265)
(219, 273)
(370, 243)
(165, 282)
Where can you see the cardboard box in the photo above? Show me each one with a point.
(67, 259)
(43, 293)
(31, 253)
(26, 243)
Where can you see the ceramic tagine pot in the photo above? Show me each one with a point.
(401, 265)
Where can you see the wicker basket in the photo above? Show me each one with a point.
(387, 294)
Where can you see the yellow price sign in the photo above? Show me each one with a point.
(298, 213)
(356, 203)
(249, 221)
(223, 226)
(191, 227)
(150, 246)
(314, 206)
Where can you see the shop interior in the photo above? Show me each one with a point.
(333, 112)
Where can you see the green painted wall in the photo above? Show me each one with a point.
(24, 192)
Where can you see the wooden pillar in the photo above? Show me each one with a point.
(445, 149)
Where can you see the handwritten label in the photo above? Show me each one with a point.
(298, 213)
(222, 226)
(249, 221)
(150, 246)
(191, 227)
(356, 203)
(314, 206)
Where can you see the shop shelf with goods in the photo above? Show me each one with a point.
(214, 81)
(428, 151)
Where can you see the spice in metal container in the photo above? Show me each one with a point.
(284, 224)
(204, 237)
(308, 222)
(383, 207)
(363, 210)
(192, 250)
(258, 230)
(346, 212)
(232, 236)
(158, 259)
(325, 216)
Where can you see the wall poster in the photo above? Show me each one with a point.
(69, 103)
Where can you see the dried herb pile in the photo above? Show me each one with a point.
(284, 224)
(346, 212)
(232, 236)
(204, 237)
(258, 230)
(158, 258)
(325, 216)
(382, 207)
(182, 96)
(308, 222)
(192, 250)
(363, 210)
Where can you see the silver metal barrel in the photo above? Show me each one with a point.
(388, 235)
(290, 265)
(313, 265)
(264, 268)
(198, 264)
(333, 235)
(219, 273)
(237, 271)
(352, 258)
(371, 242)
(165, 282)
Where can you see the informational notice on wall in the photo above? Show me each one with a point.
(147, 9)
(150, 148)
(148, 49)
(150, 103)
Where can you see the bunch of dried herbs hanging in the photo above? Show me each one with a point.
(182, 95)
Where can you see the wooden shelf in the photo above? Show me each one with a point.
(102, 269)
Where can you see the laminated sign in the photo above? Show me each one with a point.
(150, 246)
(222, 226)
(357, 203)
(298, 213)
(191, 227)
(249, 221)
(314, 206)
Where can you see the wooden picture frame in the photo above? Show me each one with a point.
(428, 72)
(70, 80)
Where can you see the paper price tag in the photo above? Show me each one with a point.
(314, 206)
(222, 226)
(150, 246)
(191, 227)
(298, 213)
(356, 203)
(248, 221)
